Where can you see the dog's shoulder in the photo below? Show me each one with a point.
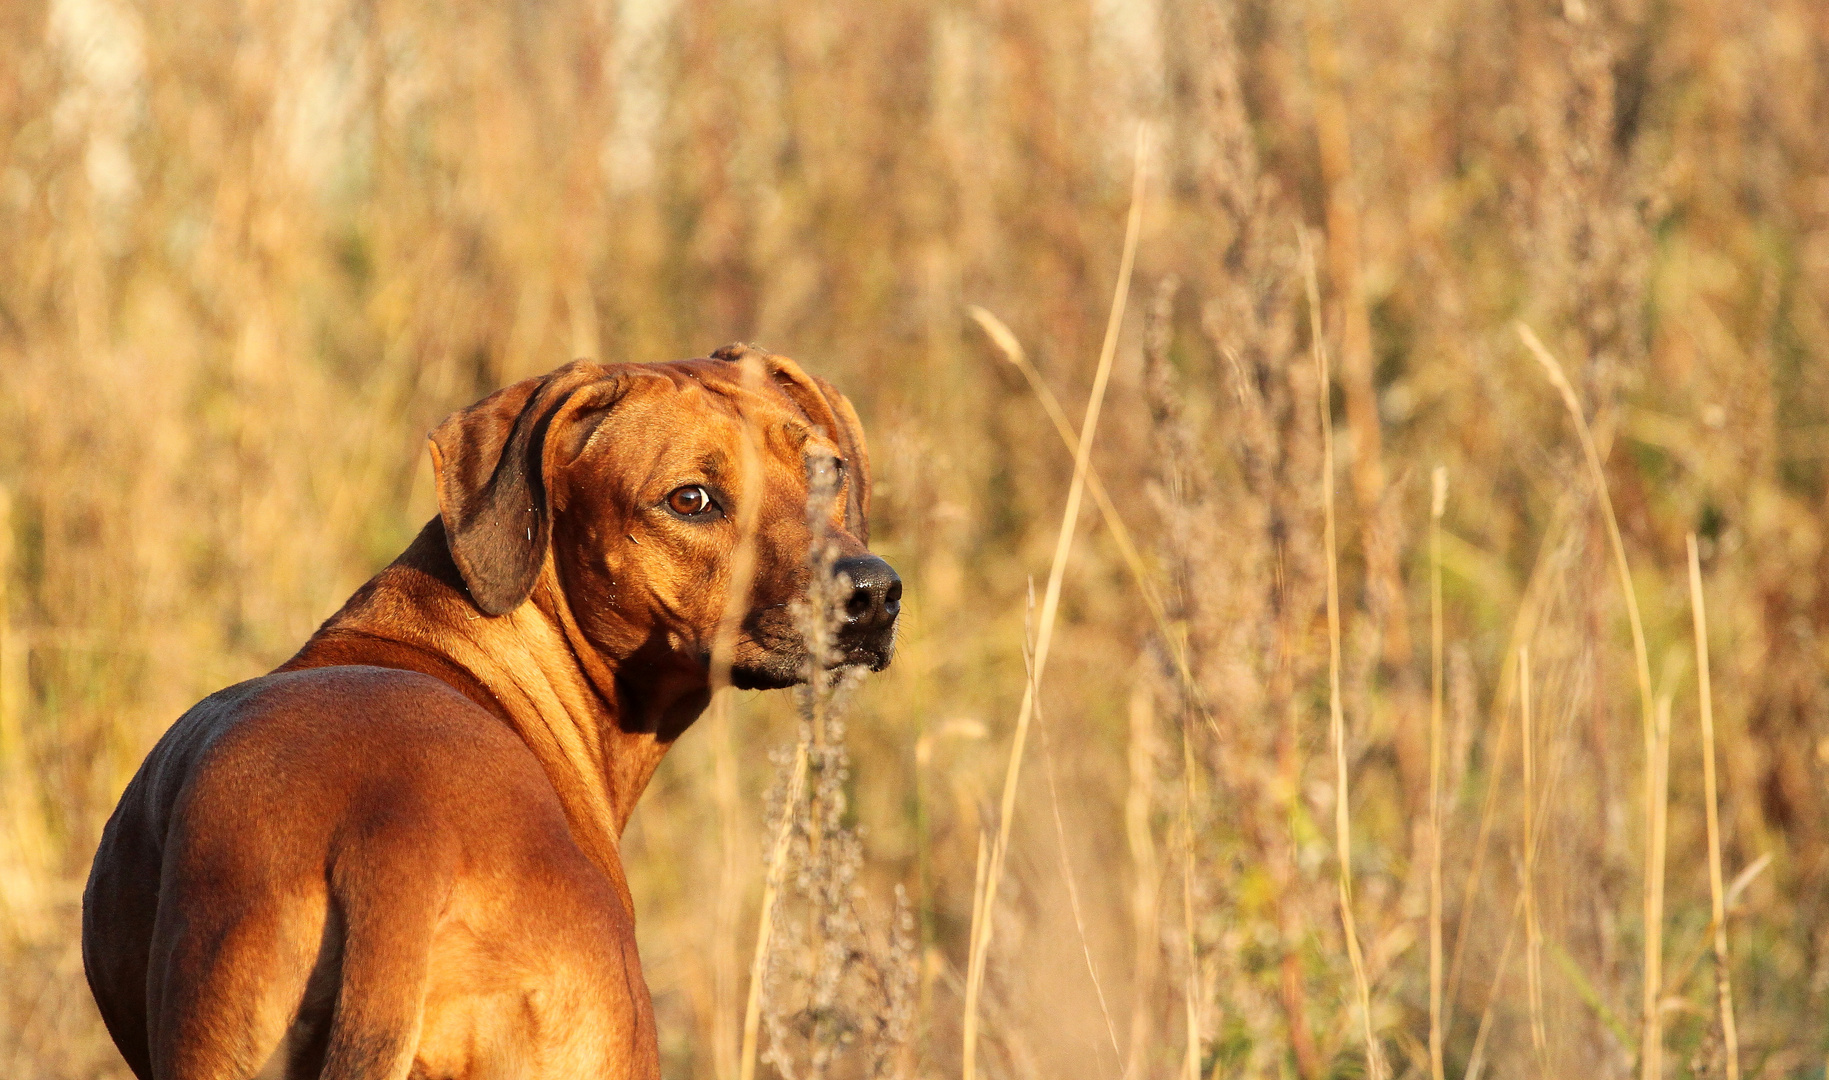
(278, 733)
(344, 710)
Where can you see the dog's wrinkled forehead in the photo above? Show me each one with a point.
(797, 412)
(748, 388)
(682, 416)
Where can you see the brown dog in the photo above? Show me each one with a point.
(397, 855)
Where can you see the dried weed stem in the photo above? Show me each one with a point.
(1476, 1058)
(1147, 882)
(1659, 782)
(1438, 502)
(765, 921)
(1724, 990)
(1524, 625)
(1533, 945)
(1652, 1038)
(1060, 835)
(1044, 638)
(1343, 837)
(1013, 352)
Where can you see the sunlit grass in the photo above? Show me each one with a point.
(250, 255)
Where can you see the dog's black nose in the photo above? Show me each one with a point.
(876, 594)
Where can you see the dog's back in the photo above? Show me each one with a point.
(281, 861)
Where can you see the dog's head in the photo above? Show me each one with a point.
(634, 484)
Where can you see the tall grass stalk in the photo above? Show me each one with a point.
(1060, 836)
(1652, 1037)
(1533, 839)
(1343, 836)
(1724, 990)
(726, 1052)
(1191, 978)
(1654, 903)
(1011, 347)
(983, 894)
(1438, 502)
(1044, 637)
(1533, 946)
(765, 919)
(726, 1027)
(1146, 884)
(1524, 625)
(1476, 1058)
(980, 872)
(1174, 637)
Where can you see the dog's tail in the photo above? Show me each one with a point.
(389, 906)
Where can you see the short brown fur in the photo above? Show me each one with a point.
(398, 854)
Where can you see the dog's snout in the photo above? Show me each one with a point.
(876, 593)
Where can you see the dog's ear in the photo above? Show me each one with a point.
(492, 461)
(848, 432)
(830, 410)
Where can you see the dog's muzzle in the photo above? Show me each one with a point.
(866, 632)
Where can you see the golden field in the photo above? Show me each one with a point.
(250, 252)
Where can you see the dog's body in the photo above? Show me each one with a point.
(398, 854)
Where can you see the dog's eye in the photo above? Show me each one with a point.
(691, 501)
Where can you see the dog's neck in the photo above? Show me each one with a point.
(598, 734)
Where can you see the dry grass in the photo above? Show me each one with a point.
(1730, 1037)
(1533, 947)
(1438, 504)
(1343, 836)
(253, 252)
(982, 935)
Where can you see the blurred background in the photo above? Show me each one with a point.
(250, 252)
